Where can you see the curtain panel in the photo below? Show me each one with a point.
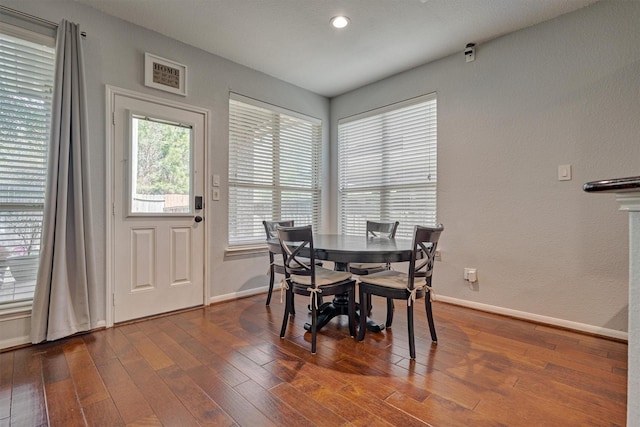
(66, 273)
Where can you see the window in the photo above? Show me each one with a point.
(274, 168)
(387, 167)
(160, 167)
(26, 83)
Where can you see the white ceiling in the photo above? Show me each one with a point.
(293, 41)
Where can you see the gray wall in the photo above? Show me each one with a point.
(562, 92)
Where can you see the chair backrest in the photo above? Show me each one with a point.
(271, 230)
(293, 241)
(425, 243)
(382, 229)
(270, 227)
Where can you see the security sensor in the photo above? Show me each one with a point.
(470, 52)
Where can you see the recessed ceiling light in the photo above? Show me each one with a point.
(339, 21)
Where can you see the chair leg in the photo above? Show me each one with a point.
(272, 277)
(314, 315)
(352, 313)
(285, 319)
(432, 326)
(364, 308)
(412, 341)
(390, 309)
(293, 306)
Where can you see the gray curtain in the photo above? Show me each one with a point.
(67, 273)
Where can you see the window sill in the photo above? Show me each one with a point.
(240, 250)
(15, 310)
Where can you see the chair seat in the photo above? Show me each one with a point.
(388, 278)
(365, 265)
(362, 269)
(324, 277)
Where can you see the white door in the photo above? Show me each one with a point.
(158, 184)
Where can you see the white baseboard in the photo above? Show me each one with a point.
(15, 324)
(581, 327)
(552, 321)
(15, 341)
(241, 294)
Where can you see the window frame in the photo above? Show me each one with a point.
(375, 180)
(278, 182)
(39, 141)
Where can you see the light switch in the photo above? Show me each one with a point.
(215, 194)
(215, 181)
(564, 173)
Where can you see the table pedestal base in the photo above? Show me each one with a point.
(338, 306)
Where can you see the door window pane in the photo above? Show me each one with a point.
(161, 167)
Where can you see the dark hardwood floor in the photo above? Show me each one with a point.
(225, 365)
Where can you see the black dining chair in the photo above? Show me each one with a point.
(375, 229)
(311, 280)
(400, 285)
(385, 230)
(275, 260)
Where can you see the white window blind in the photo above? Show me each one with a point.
(274, 168)
(26, 83)
(388, 166)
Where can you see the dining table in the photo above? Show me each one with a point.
(345, 249)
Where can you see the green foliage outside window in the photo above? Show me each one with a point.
(164, 152)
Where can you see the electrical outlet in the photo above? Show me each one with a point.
(471, 275)
(564, 173)
(438, 255)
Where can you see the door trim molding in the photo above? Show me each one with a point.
(110, 93)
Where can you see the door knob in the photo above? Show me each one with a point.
(198, 218)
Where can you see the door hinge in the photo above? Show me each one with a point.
(113, 208)
(113, 117)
